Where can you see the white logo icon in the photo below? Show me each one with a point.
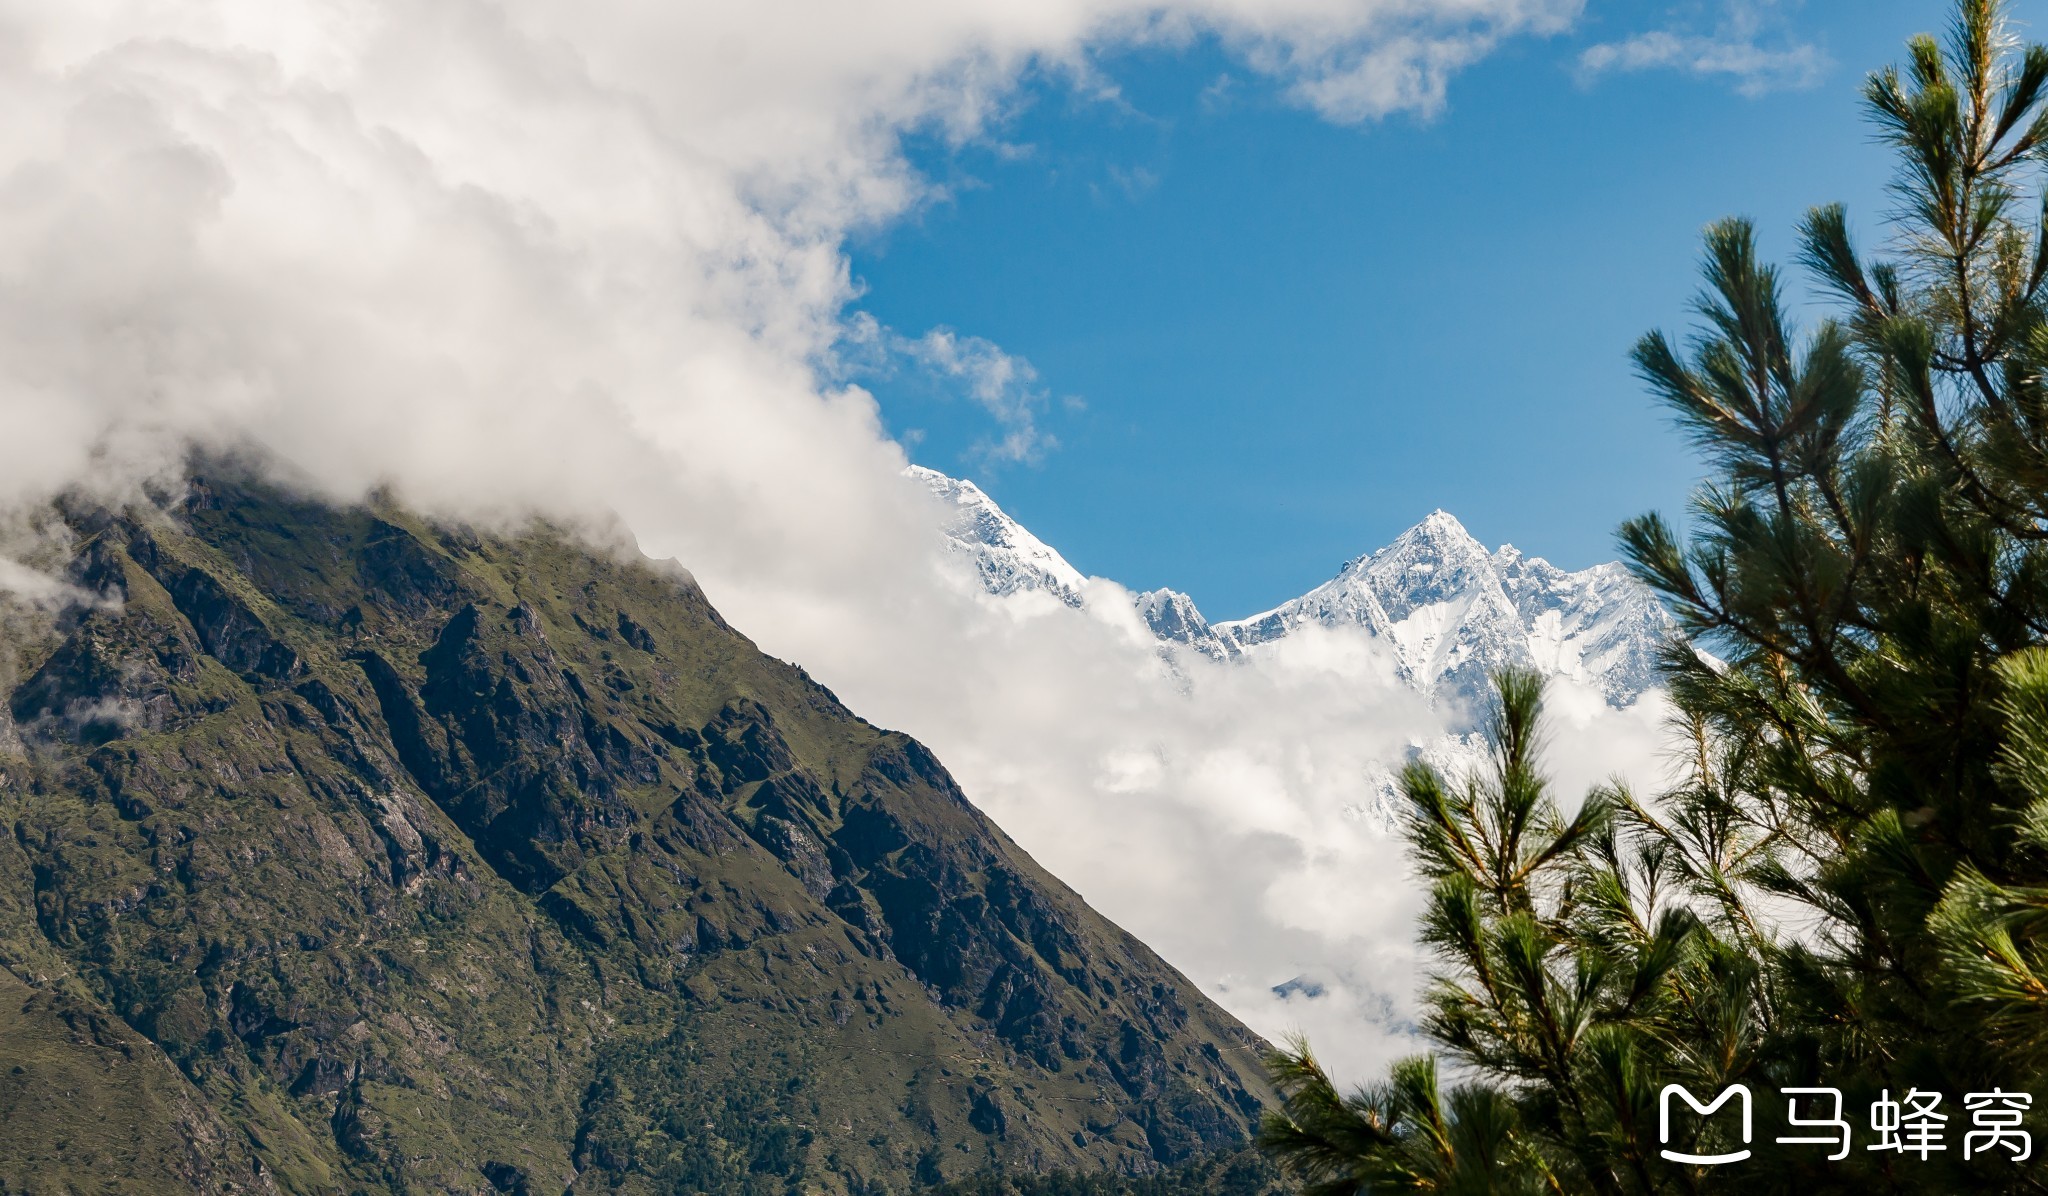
(1707, 1110)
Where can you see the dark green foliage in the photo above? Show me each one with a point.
(1850, 890)
(651, 1114)
(345, 852)
(1403, 1135)
(1581, 966)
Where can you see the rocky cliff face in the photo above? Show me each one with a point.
(350, 852)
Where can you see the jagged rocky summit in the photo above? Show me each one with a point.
(349, 852)
(1175, 619)
(1448, 610)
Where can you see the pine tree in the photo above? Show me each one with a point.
(1851, 889)
(1583, 961)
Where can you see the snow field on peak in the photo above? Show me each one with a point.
(1007, 558)
(1449, 611)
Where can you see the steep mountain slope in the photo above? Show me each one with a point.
(348, 852)
(1450, 611)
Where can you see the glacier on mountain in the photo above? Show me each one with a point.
(1453, 613)
(1007, 558)
(1447, 610)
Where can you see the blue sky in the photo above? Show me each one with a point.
(1265, 343)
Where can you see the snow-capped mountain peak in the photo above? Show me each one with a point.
(1173, 617)
(1007, 558)
(1454, 612)
(1450, 611)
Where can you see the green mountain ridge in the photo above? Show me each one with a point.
(350, 852)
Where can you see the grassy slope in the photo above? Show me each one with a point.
(388, 857)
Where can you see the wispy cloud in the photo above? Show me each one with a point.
(1751, 44)
(1133, 182)
(1221, 94)
(1002, 384)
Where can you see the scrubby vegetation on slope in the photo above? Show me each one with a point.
(348, 852)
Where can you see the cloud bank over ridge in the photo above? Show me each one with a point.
(587, 258)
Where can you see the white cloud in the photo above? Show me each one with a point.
(1749, 45)
(1003, 385)
(584, 258)
(33, 587)
(1225, 812)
